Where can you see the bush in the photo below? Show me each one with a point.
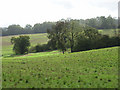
(42, 48)
(39, 48)
(32, 49)
(82, 43)
(21, 44)
(52, 44)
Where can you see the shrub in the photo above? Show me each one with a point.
(21, 44)
(83, 43)
(32, 49)
(39, 48)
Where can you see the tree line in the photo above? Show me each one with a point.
(68, 34)
(98, 23)
(28, 29)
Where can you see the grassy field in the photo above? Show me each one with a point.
(34, 39)
(87, 69)
(110, 32)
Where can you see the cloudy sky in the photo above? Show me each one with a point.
(24, 12)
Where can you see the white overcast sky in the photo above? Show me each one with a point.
(24, 12)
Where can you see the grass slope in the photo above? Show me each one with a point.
(109, 32)
(34, 39)
(87, 69)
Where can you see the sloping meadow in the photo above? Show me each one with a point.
(7, 47)
(87, 69)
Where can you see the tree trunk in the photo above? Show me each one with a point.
(71, 48)
(63, 52)
(72, 43)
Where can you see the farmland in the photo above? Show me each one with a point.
(88, 69)
(34, 39)
(37, 38)
(110, 32)
(96, 68)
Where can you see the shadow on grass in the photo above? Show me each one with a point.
(13, 55)
(42, 52)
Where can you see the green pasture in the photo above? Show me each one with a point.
(86, 69)
(109, 32)
(34, 39)
(96, 68)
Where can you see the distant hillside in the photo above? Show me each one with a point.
(34, 39)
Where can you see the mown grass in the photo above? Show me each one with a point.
(34, 39)
(109, 32)
(87, 69)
